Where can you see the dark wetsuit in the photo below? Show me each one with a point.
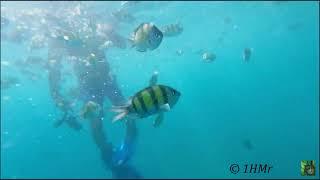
(95, 83)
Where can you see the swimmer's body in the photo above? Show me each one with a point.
(95, 83)
(94, 86)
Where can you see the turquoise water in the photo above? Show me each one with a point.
(272, 101)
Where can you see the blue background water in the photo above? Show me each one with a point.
(273, 100)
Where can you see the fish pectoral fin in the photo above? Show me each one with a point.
(165, 107)
(119, 116)
(122, 112)
(157, 122)
(154, 79)
(140, 26)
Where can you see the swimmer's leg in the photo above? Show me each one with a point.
(126, 172)
(99, 135)
(123, 153)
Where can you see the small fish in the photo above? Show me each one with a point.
(172, 30)
(208, 57)
(247, 54)
(146, 36)
(155, 99)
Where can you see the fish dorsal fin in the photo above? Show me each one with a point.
(165, 107)
(158, 121)
(154, 78)
(135, 30)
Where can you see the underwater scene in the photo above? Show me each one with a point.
(159, 89)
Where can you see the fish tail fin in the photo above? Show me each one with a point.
(122, 112)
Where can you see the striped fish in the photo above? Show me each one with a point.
(172, 30)
(146, 37)
(152, 100)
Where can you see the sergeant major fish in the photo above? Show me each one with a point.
(146, 36)
(172, 30)
(155, 99)
(247, 54)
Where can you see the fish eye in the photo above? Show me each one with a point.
(157, 35)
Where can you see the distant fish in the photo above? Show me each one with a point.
(208, 57)
(172, 30)
(247, 54)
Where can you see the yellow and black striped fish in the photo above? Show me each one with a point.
(154, 99)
